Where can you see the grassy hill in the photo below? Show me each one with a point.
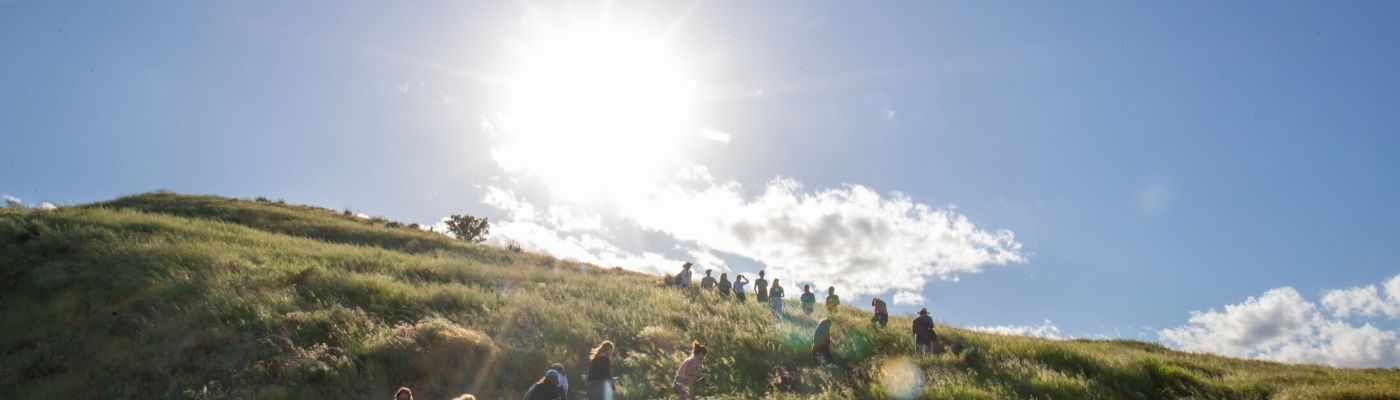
(174, 296)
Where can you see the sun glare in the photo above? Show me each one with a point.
(597, 111)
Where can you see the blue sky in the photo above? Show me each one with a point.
(1152, 160)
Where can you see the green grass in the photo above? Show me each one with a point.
(207, 297)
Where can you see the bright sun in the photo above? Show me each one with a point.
(595, 112)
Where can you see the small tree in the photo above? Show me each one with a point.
(467, 227)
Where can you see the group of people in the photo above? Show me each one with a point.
(923, 333)
(763, 292)
(554, 384)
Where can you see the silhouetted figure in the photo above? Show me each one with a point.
(832, 300)
(808, 299)
(760, 288)
(775, 296)
(923, 332)
(600, 383)
(709, 281)
(724, 286)
(739, 283)
(821, 342)
(882, 315)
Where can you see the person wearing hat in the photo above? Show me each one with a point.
(923, 332)
(882, 315)
(709, 281)
(683, 278)
(547, 388)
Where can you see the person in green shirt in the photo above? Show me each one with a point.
(832, 301)
(808, 299)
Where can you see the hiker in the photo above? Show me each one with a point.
(739, 282)
(832, 300)
(563, 377)
(546, 389)
(600, 384)
(808, 299)
(689, 372)
(683, 278)
(723, 285)
(776, 295)
(760, 287)
(923, 332)
(464, 397)
(882, 314)
(403, 394)
(709, 281)
(821, 341)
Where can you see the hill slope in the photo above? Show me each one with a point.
(208, 297)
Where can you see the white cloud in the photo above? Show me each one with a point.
(1282, 326)
(581, 247)
(12, 201)
(715, 135)
(46, 206)
(1365, 301)
(704, 259)
(889, 114)
(851, 237)
(1046, 329)
(908, 298)
(361, 215)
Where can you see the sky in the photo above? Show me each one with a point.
(1216, 177)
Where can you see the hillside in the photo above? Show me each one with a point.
(179, 296)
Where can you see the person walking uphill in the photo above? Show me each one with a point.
(808, 299)
(923, 332)
(709, 281)
(882, 315)
(739, 282)
(689, 372)
(775, 295)
(546, 389)
(600, 384)
(821, 341)
(832, 300)
(760, 288)
(723, 285)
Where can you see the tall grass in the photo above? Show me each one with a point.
(207, 297)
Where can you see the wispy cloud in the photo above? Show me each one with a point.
(12, 201)
(1281, 325)
(714, 135)
(1046, 329)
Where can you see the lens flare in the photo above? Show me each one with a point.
(901, 378)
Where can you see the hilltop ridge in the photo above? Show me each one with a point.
(208, 297)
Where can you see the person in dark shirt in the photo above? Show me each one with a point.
(882, 315)
(709, 281)
(546, 389)
(760, 288)
(808, 299)
(923, 332)
(600, 383)
(723, 285)
(775, 295)
(821, 342)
